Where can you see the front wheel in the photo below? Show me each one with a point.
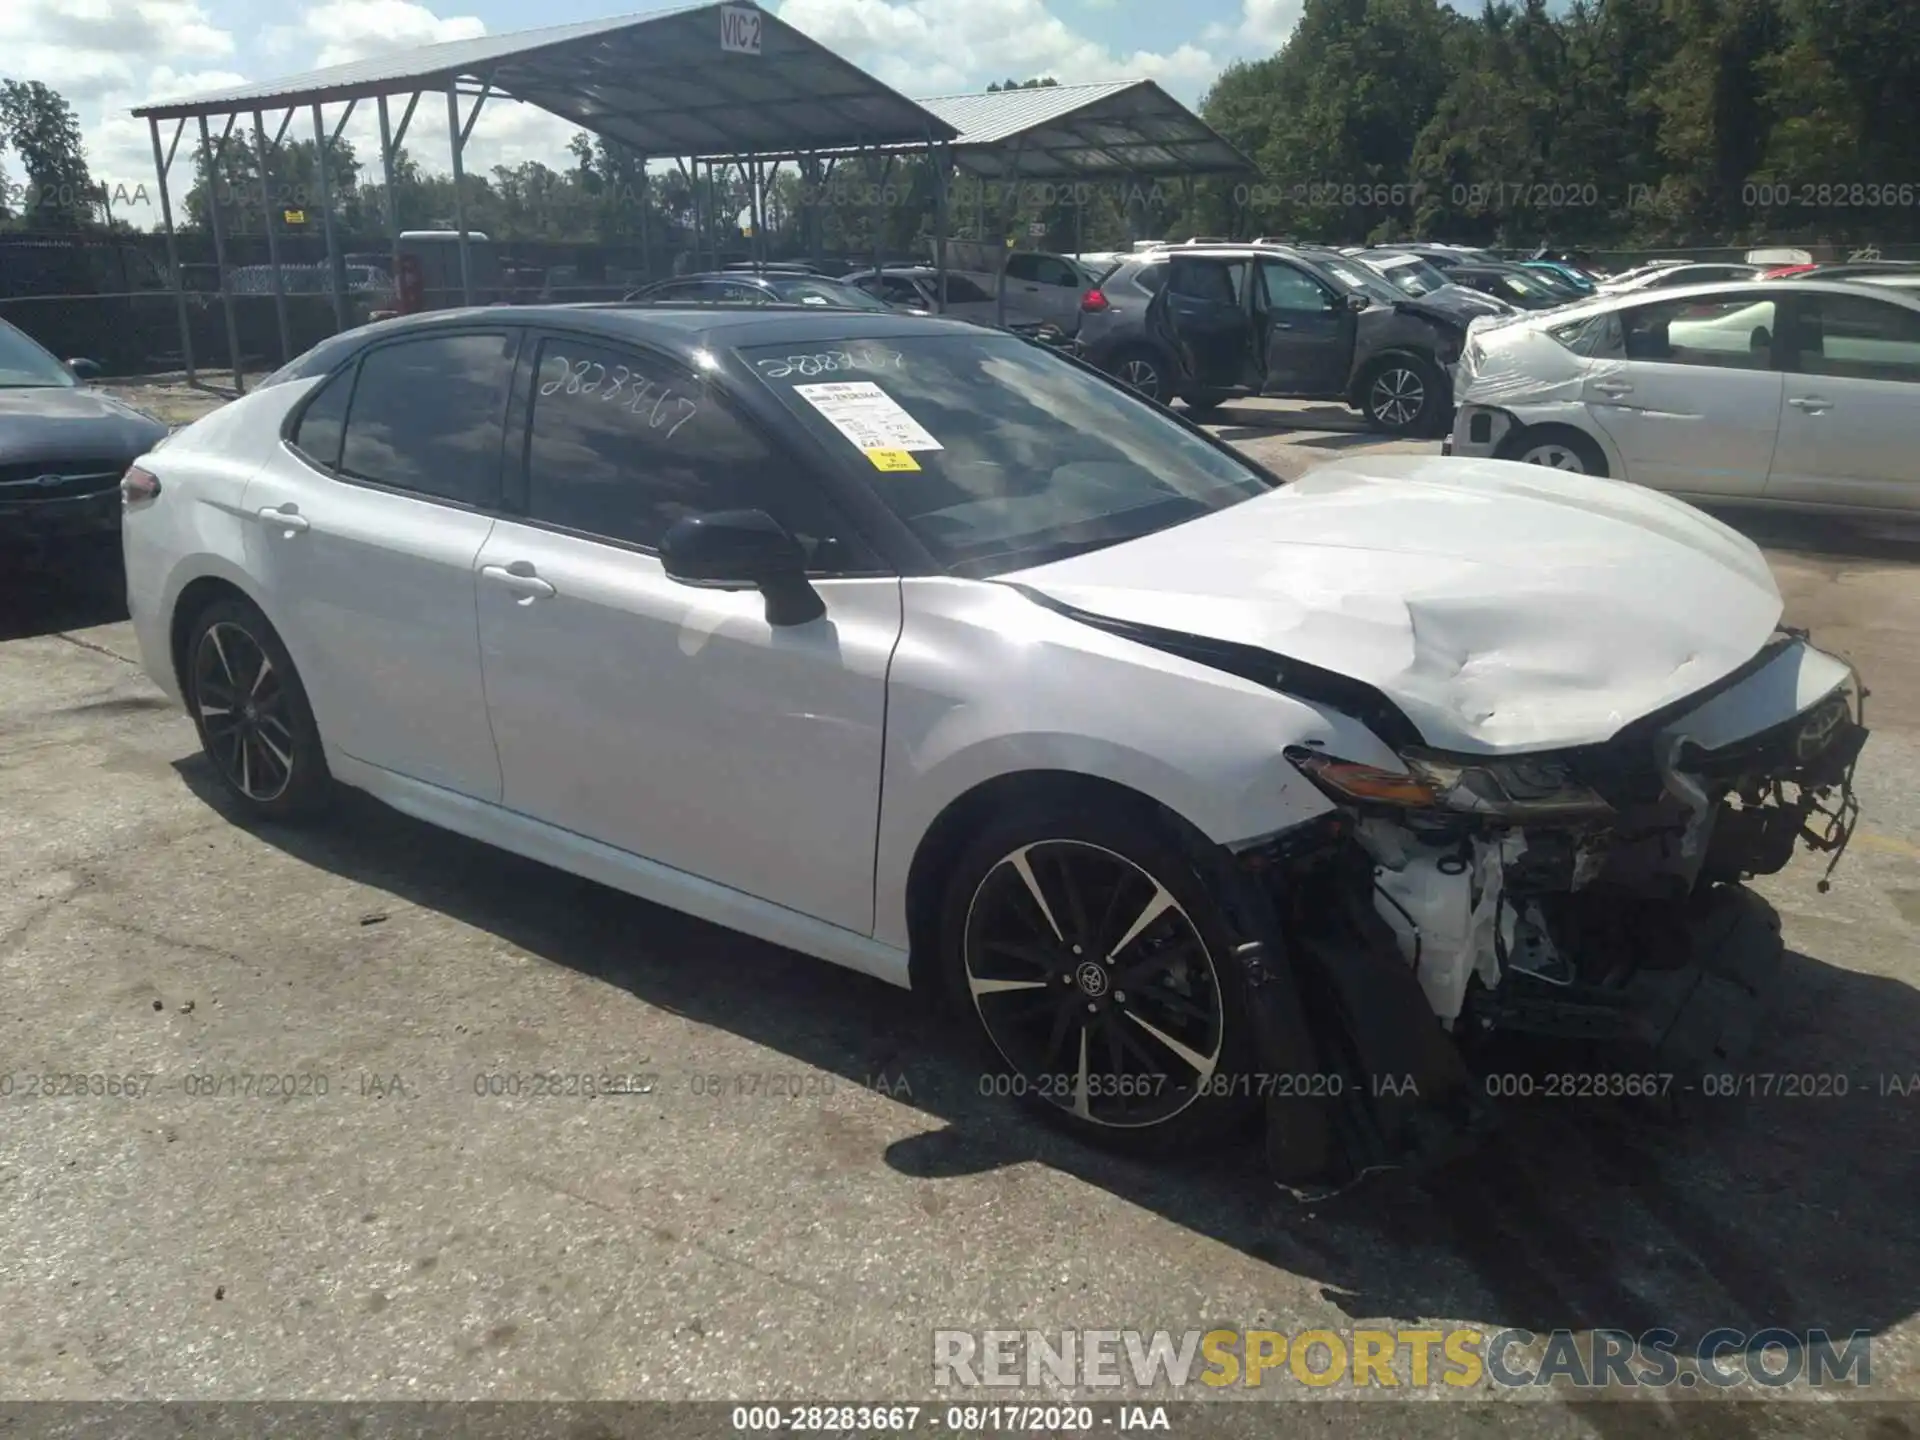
(252, 713)
(1098, 974)
(1403, 395)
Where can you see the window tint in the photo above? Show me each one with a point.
(1291, 289)
(317, 436)
(426, 416)
(1050, 271)
(1734, 333)
(962, 291)
(1211, 280)
(622, 445)
(1151, 278)
(1023, 266)
(1857, 339)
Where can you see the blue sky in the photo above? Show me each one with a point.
(107, 56)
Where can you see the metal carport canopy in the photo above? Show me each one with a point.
(1119, 130)
(658, 82)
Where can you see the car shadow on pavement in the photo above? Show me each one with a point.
(1757, 1209)
(1825, 536)
(44, 594)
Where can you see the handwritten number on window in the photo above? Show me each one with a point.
(662, 407)
(869, 359)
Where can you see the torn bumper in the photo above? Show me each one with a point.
(1479, 431)
(1416, 932)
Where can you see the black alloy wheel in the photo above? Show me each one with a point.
(252, 713)
(1094, 984)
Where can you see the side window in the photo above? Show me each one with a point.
(426, 416)
(1054, 271)
(1023, 266)
(1598, 337)
(322, 423)
(1151, 278)
(1857, 339)
(901, 292)
(962, 291)
(1198, 279)
(1731, 333)
(1291, 289)
(739, 292)
(621, 445)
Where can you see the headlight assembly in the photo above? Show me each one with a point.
(1527, 787)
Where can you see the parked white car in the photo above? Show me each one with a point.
(1781, 392)
(925, 650)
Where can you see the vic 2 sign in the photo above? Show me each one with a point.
(739, 30)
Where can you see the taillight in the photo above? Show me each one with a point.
(1093, 302)
(138, 487)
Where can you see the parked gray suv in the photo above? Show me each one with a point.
(1209, 323)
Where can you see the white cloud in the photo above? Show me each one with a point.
(1262, 28)
(343, 30)
(933, 47)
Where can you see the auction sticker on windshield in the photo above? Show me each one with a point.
(872, 420)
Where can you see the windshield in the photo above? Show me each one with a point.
(997, 453)
(1413, 275)
(809, 290)
(24, 365)
(1362, 278)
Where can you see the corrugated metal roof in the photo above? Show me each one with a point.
(990, 118)
(658, 82)
(1116, 130)
(1122, 129)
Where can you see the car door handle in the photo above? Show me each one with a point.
(1812, 404)
(519, 577)
(1613, 387)
(287, 517)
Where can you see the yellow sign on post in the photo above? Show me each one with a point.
(295, 217)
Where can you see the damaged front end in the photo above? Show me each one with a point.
(1591, 896)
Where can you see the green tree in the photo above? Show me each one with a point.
(39, 126)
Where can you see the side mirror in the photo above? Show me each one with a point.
(84, 369)
(743, 550)
(1358, 302)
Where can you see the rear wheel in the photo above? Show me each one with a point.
(1558, 447)
(1403, 395)
(1098, 975)
(252, 713)
(1145, 371)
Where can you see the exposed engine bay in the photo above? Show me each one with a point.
(1591, 895)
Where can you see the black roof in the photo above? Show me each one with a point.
(690, 327)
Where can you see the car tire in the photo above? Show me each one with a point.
(1403, 395)
(1144, 370)
(1001, 952)
(1556, 447)
(1206, 404)
(255, 723)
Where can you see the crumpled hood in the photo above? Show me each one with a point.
(1501, 606)
(51, 424)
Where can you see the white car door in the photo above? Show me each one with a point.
(671, 722)
(1688, 393)
(1850, 430)
(365, 530)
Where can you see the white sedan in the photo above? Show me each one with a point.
(1791, 393)
(927, 651)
